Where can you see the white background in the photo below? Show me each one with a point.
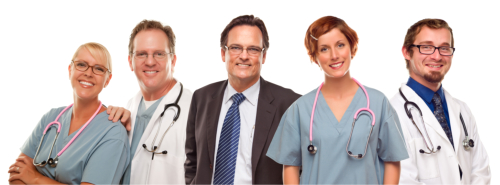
(38, 39)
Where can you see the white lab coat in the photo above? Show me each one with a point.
(440, 167)
(164, 169)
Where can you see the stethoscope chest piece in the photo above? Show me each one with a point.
(468, 143)
(52, 162)
(312, 149)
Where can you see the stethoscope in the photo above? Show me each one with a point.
(52, 162)
(313, 149)
(467, 143)
(176, 116)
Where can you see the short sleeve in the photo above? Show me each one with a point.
(391, 145)
(285, 147)
(31, 144)
(107, 163)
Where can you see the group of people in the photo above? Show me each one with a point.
(246, 130)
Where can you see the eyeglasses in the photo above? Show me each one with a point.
(237, 50)
(430, 49)
(96, 69)
(159, 56)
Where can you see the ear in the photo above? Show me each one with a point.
(223, 54)
(69, 71)
(130, 63)
(107, 81)
(173, 62)
(264, 57)
(354, 51)
(406, 54)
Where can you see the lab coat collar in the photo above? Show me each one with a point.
(428, 116)
(251, 94)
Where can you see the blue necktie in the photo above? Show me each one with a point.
(228, 144)
(439, 114)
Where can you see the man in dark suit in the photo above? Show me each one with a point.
(232, 122)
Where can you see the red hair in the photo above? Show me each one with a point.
(322, 26)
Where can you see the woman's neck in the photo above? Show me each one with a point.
(84, 109)
(339, 87)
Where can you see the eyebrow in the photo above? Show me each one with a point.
(431, 43)
(324, 45)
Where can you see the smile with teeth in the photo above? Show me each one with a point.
(245, 65)
(434, 66)
(150, 72)
(336, 64)
(86, 83)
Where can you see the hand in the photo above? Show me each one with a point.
(24, 170)
(120, 113)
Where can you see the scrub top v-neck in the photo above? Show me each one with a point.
(99, 155)
(331, 164)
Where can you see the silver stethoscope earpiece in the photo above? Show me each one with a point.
(467, 143)
(176, 116)
(313, 149)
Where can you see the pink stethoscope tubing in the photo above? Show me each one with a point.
(53, 162)
(355, 117)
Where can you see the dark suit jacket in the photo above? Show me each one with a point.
(201, 134)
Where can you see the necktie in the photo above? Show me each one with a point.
(439, 114)
(228, 144)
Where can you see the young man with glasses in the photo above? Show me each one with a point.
(158, 113)
(232, 122)
(440, 131)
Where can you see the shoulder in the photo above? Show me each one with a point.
(463, 106)
(376, 94)
(209, 89)
(108, 129)
(51, 115)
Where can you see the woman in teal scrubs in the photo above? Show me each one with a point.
(332, 44)
(93, 153)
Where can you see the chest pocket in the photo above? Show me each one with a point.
(427, 164)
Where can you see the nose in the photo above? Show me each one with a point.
(334, 54)
(244, 55)
(436, 55)
(89, 72)
(150, 61)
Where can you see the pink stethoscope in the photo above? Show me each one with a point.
(313, 149)
(53, 161)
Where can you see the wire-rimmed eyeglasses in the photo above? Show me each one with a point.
(159, 55)
(237, 50)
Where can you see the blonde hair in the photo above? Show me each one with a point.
(98, 51)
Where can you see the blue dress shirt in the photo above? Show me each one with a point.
(426, 94)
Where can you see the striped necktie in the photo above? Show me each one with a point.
(227, 151)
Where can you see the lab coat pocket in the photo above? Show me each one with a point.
(427, 164)
(167, 169)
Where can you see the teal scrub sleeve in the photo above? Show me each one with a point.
(285, 147)
(107, 163)
(391, 145)
(31, 144)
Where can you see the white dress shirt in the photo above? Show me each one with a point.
(248, 114)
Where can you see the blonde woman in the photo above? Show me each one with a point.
(76, 144)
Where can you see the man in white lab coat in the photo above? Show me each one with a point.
(158, 113)
(440, 131)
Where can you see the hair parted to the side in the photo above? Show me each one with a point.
(413, 31)
(322, 26)
(152, 24)
(249, 20)
(98, 52)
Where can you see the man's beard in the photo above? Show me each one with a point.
(434, 77)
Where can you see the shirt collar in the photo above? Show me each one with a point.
(251, 94)
(425, 93)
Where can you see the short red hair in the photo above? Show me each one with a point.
(322, 26)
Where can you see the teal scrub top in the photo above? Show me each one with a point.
(141, 122)
(331, 164)
(99, 155)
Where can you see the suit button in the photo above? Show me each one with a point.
(211, 167)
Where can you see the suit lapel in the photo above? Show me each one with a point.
(213, 113)
(263, 122)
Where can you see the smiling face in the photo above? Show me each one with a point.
(334, 53)
(429, 68)
(86, 84)
(244, 66)
(153, 74)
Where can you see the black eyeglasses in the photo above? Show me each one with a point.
(96, 69)
(430, 49)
